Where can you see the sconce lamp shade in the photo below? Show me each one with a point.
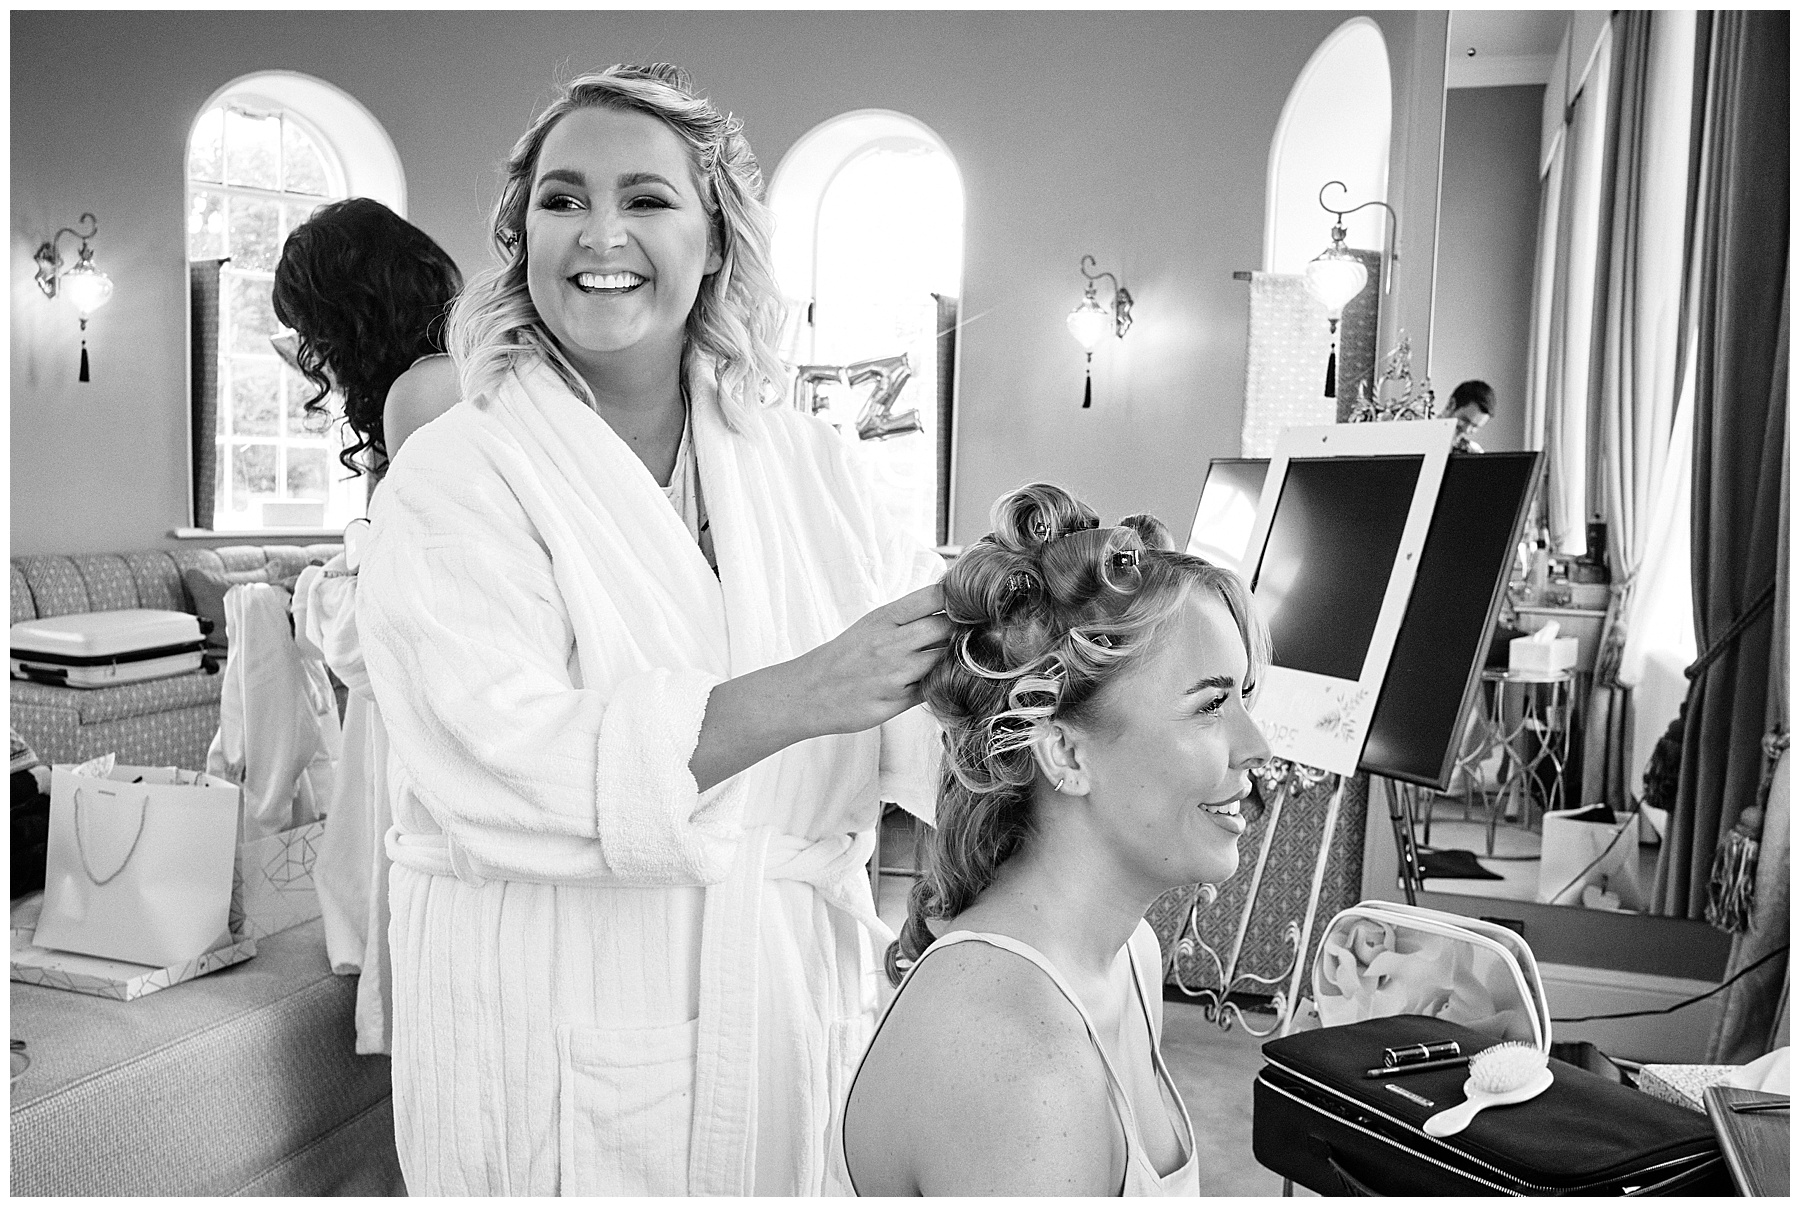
(1335, 277)
(86, 286)
(1089, 322)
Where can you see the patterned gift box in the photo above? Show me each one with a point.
(92, 975)
(1683, 1085)
(272, 886)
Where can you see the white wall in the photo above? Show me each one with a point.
(1140, 138)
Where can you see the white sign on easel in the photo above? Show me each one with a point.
(1331, 563)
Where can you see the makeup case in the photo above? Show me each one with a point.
(1321, 1121)
(102, 649)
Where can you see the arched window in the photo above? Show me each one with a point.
(868, 250)
(1334, 126)
(263, 154)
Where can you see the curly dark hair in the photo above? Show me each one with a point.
(368, 293)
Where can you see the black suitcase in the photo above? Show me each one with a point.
(1319, 1121)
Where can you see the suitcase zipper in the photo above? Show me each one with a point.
(1389, 1141)
(1374, 1110)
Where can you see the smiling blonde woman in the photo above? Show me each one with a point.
(648, 654)
(1097, 748)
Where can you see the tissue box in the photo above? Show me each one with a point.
(1534, 657)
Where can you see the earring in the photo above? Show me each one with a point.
(1059, 783)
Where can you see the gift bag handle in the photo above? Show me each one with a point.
(143, 799)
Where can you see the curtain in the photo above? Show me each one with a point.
(203, 377)
(948, 310)
(1738, 289)
(1284, 379)
(1753, 1009)
(1636, 374)
(1564, 302)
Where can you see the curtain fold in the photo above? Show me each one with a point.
(1751, 1015)
(203, 378)
(1739, 289)
(1635, 375)
(1567, 295)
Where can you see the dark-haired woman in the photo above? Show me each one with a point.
(1098, 743)
(367, 294)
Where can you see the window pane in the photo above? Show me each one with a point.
(251, 313)
(206, 151)
(255, 396)
(255, 243)
(220, 462)
(296, 214)
(306, 470)
(252, 150)
(304, 167)
(252, 471)
(206, 225)
(301, 422)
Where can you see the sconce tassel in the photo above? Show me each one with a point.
(1331, 374)
(1087, 391)
(84, 366)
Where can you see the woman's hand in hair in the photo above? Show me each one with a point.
(864, 676)
(871, 671)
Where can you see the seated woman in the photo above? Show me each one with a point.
(367, 294)
(1097, 746)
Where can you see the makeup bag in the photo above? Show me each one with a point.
(1380, 958)
(1320, 1121)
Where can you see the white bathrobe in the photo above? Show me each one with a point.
(351, 872)
(605, 981)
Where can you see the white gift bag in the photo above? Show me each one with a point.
(139, 864)
(1583, 851)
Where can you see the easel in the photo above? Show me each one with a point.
(1277, 780)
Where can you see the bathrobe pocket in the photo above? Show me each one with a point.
(627, 1101)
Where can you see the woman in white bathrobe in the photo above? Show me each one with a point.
(647, 652)
(367, 295)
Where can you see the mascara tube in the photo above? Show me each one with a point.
(1417, 1053)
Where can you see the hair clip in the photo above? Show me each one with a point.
(1040, 528)
(1018, 583)
(1124, 559)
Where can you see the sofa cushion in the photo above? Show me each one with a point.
(22, 607)
(124, 701)
(207, 588)
(46, 585)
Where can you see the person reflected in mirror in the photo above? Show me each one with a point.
(648, 650)
(367, 296)
(1471, 405)
(1098, 743)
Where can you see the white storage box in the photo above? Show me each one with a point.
(99, 649)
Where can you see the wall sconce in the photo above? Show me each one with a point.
(85, 284)
(1089, 322)
(1336, 277)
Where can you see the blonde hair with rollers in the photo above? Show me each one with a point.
(736, 320)
(1047, 609)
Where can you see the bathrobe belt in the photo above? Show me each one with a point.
(722, 1152)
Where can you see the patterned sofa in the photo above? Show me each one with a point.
(156, 723)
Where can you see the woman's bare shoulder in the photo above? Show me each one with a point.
(418, 396)
(982, 1081)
